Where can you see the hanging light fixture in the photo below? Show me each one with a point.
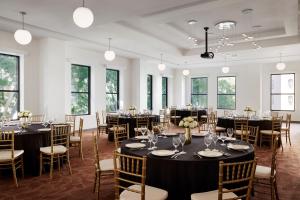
(161, 66)
(109, 55)
(83, 17)
(281, 65)
(225, 69)
(185, 72)
(23, 36)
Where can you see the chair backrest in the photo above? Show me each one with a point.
(98, 119)
(194, 113)
(96, 152)
(276, 124)
(173, 111)
(60, 134)
(274, 114)
(142, 121)
(129, 170)
(37, 118)
(239, 122)
(112, 120)
(104, 114)
(80, 130)
(71, 119)
(121, 132)
(288, 121)
(233, 174)
(212, 118)
(274, 157)
(250, 134)
(7, 141)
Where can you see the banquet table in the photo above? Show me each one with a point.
(188, 173)
(228, 122)
(186, 113)
(131, 120)
(30, 140)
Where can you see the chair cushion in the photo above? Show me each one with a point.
(74, 139)
(59, 149)
(239, 132)
(269, 132)
(175, 117)
(102, 125)
(106, 165)
(115, 128)
(5, 155)
(139, 129)
(211, 195)
(151, 193)
(218, 128)
(204, 116)
(262, 172)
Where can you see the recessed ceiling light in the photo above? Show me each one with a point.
(250, 37)
(189, 38)
(247, 11)
(257, 26)
(230, 44)
(195, 40)
(244, 35)
(192, 21)
(225, 25)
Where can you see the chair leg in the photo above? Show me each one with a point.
(51, 166)
(58, 163)
(69, 165)
(41, 163)
(14, 173)
(276, 190)
(272, 189)
(99, 181)
(289, 135)
(22, 167)
(81, 152)
(280, 139)
(95, 181)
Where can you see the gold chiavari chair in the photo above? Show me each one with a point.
(250, 134)
(174, 118)
(134, 169)
(274, 114)
(202, 125)
(157, 126)
(59, 149)
(121, 132)
(270, 135)
(194, 114)
(238, 123)
(212, 121)
(101, 127)
(37, 118)
(71, 119)
(287, 129)
(111, 122)
(265, 175)
(76, 140)
(140, 123)
(164, 118)
(9, 157)
(103, 168)
(231, 174)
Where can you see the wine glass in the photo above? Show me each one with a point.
(182, 141)
(207, 141)
(223, 138)
(154, 141)
(214, 138)
(230, 132)
(143, 131)
(176, 143)
(150, 138)
(162, 130)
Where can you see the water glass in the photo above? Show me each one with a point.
(207, 140)
(230, 132)
(223, 138)
(214, 138)
(143, 131)
(150, 139)
(154, 141)
(182, 141)
(176, 143)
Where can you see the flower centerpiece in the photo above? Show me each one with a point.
(189, 106)
(188, 123)
(23, 116)
(132, 110)
(248, 110)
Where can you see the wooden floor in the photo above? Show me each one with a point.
(80, 184)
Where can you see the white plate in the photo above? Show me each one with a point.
(228, 138)
(135, 145)
(170, 134)
(201, 134)
(36, 122)
(238, 146)
(163, 153)
(210, 153)
(141, 137)
(44, 129)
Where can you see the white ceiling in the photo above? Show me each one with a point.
(146, 28)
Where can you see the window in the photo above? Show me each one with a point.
(112, 90)
(199, 92)
(164, 92)
(80, 92)
(283, 92)
(226, 92)
(149, 92)
(9, 86)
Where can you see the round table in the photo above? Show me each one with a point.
(30, 140)
(187, 174)
(186, 113)
(131, 120)
(228, 122)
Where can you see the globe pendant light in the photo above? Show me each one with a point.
(83, 17)
(23, 36)
(109, 55)
(281, 65)
(161, 66)
(185, 72)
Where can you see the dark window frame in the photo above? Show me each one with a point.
(89, 89)
(199, 94)
(166, 93)
(283, 93)
(151, 92)
(218, 94)
(18, 79)
(118, 87)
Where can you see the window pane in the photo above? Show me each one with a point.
(226, 85)
(80, 78)
(199, 86)
(80, 105)
(283, 102)
(226, 102)
(164, 85)
(9, 104)
(149, 92)
(199, 100)
(111, 102)
(112, 77)
(164, 101)
(8, 72)
(149, 102)
(283, 83)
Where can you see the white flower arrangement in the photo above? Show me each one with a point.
(188, 122)
(248, 109)
(132, 108)
(24, 114)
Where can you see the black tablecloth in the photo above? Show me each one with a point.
(132, 124)
(187, 174)
(264, 124)
(186, 113)
(30, 140)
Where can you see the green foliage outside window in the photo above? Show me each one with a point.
(80, 83)
(112, 90)
(9, 86)
(199, 92)
(226, 93)
(164, 92)
(149, 92)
